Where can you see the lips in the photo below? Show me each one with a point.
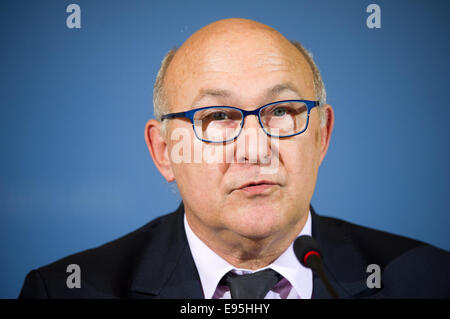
(258, 183)
(257, 187)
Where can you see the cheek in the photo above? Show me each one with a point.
(197, 168)
(200, 188)
(196, 178)
(300, 160)
(199, 185)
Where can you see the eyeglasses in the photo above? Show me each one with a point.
(221, 124)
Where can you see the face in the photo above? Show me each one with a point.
(245, 68)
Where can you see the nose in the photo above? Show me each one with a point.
(252, 144)
(251, 122)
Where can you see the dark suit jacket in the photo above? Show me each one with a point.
(155, 262)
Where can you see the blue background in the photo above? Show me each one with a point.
(74, 168)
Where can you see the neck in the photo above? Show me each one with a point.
(244, 252)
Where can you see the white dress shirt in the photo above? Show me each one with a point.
(296, 283)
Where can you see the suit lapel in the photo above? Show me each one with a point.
(344, 265)
(166, 268)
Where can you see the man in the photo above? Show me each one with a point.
(246, 179)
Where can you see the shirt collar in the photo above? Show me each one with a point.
(211, 267)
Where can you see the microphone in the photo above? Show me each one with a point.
(307, 251)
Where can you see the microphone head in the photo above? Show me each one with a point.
(304, 247)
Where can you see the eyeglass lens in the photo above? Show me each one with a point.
(219, 124)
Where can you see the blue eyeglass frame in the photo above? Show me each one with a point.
(190, 115)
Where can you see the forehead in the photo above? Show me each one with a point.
(246, 64)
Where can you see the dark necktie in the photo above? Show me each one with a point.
(251, 286)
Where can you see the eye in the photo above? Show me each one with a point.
(279, 111)
(219, 116)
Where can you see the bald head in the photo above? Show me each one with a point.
(228, 50)
(227, 31)
(229, 38)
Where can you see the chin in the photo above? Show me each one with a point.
(257, 223)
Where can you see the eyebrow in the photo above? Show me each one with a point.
(212, 92)
(270, 93)
(279, 88)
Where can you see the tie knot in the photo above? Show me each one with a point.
(251, 286)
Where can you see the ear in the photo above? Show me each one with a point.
(326, 131)
(158, 149)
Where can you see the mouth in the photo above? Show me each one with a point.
(257, 187)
